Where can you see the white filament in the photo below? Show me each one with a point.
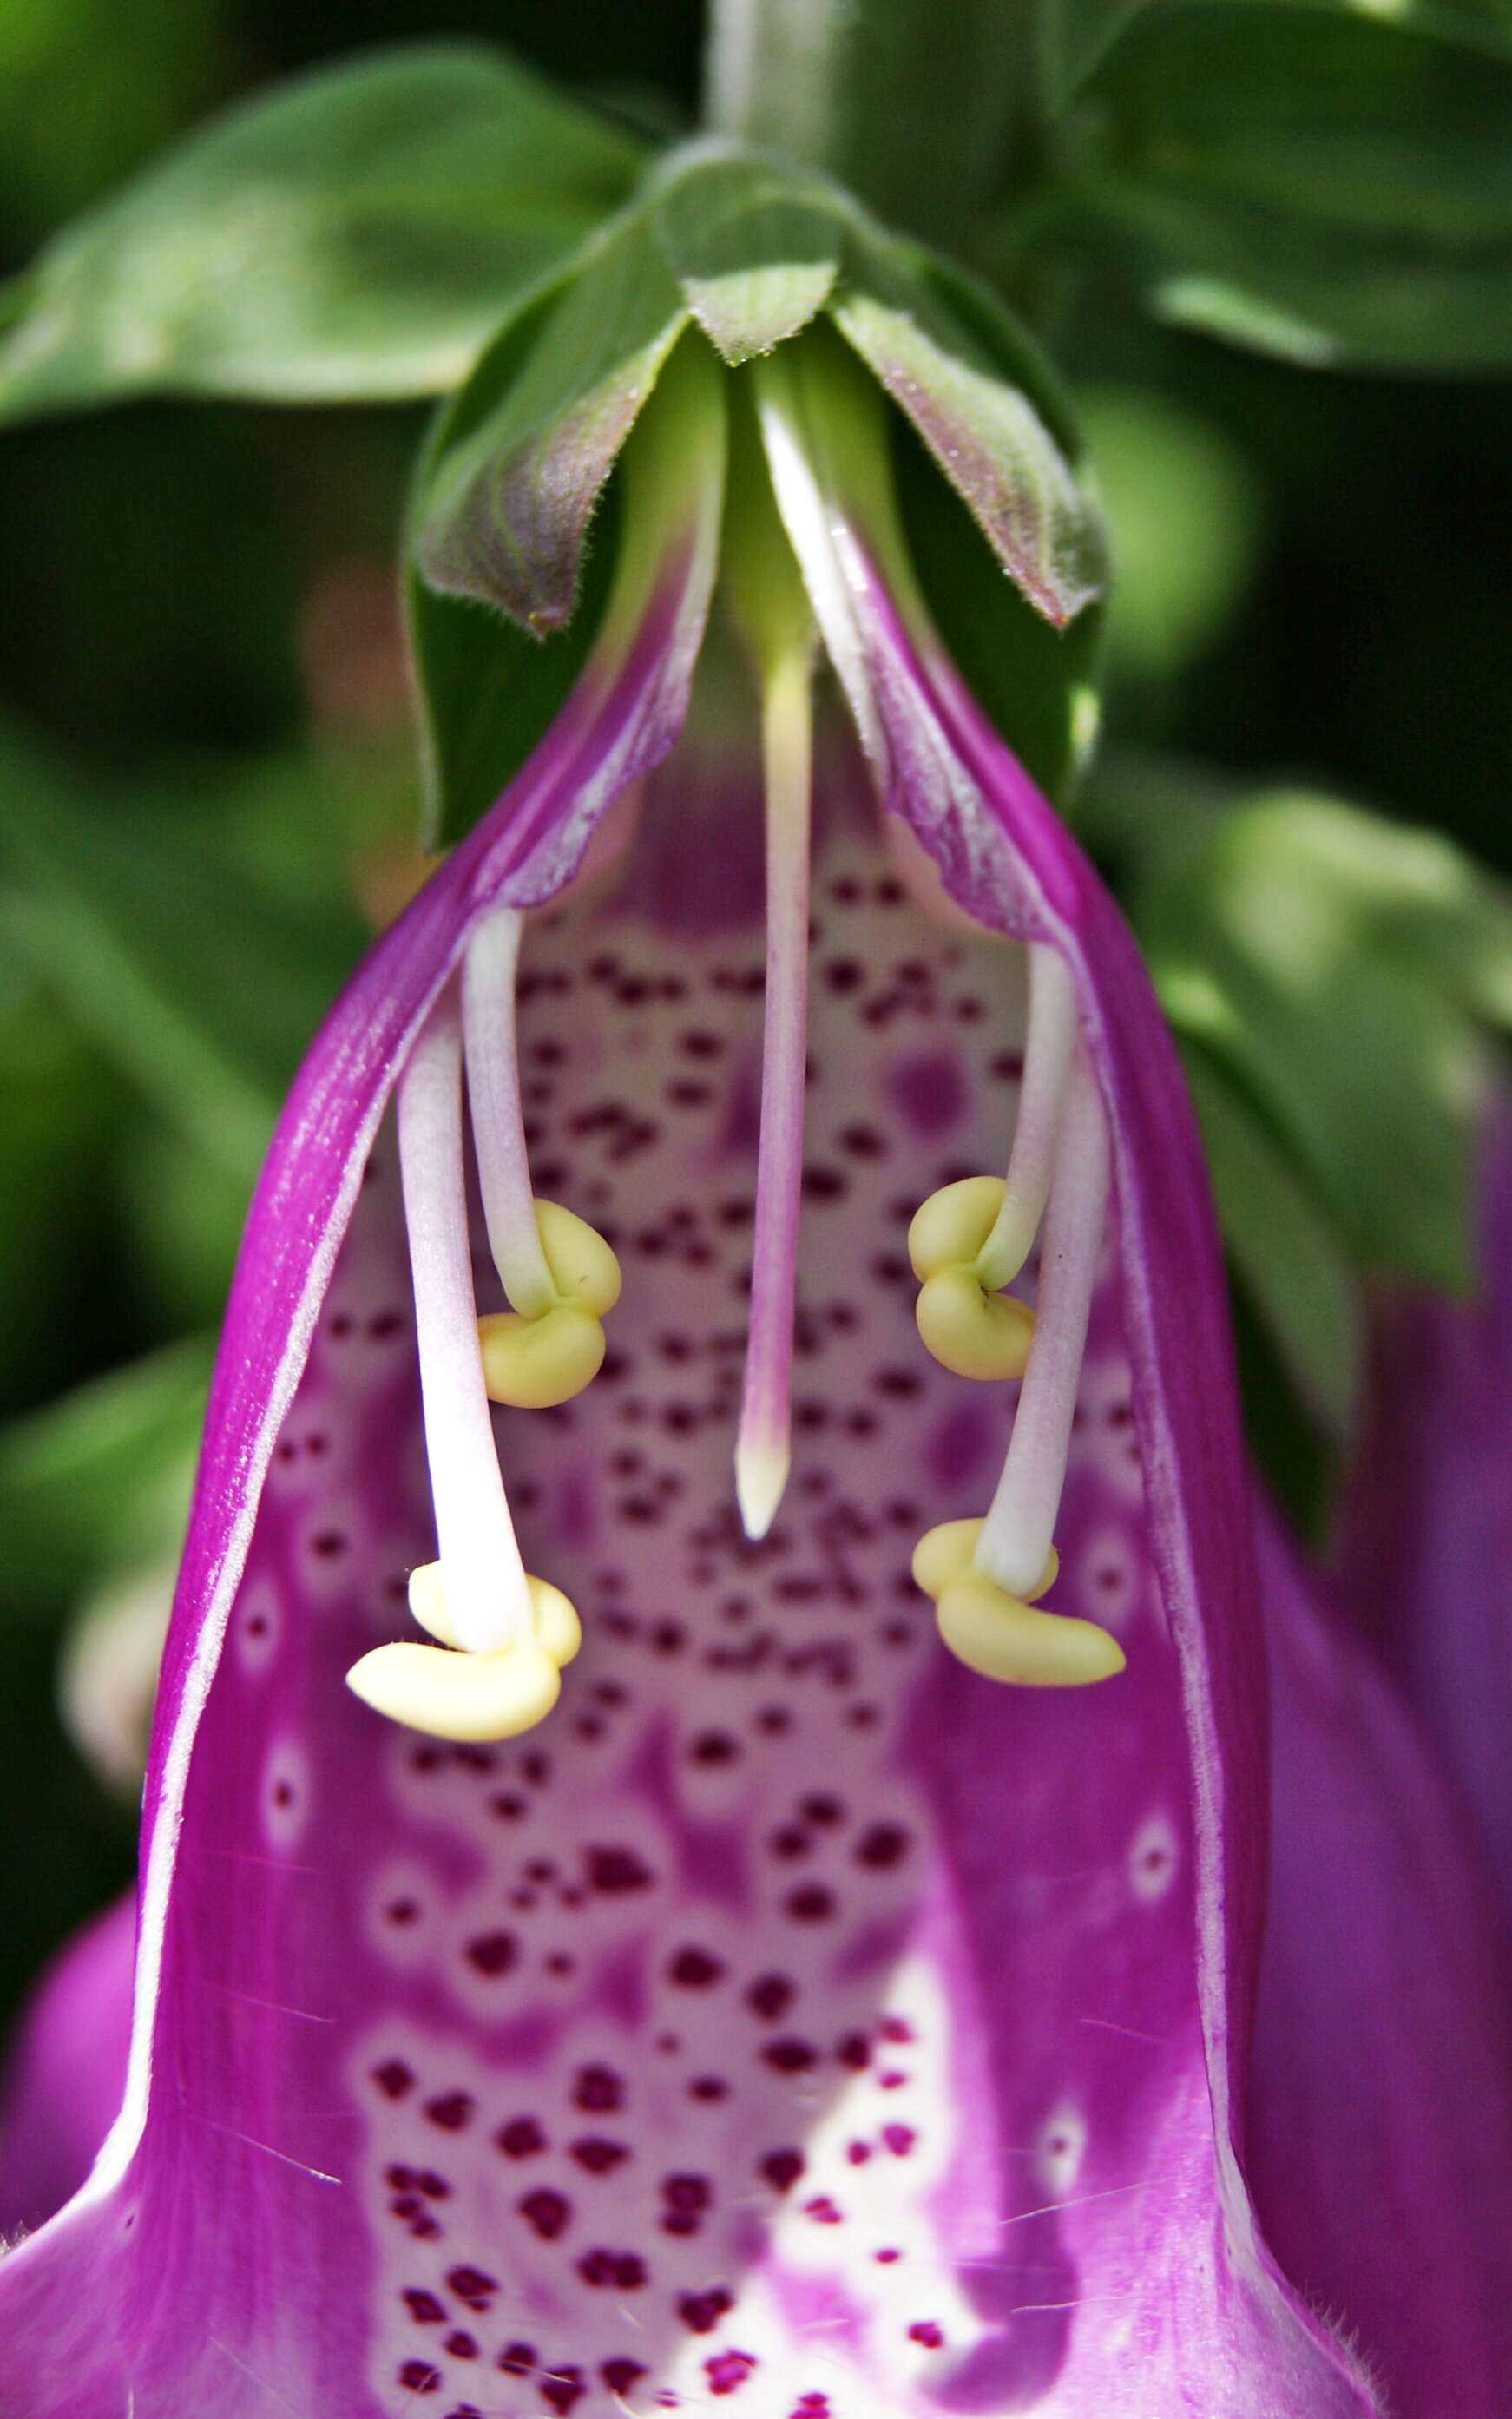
(1019, 1529)
(489, 973)
(481, 1568)
(1049, 1042)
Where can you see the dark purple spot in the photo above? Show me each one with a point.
(424, 2308)
(694, 1969)
(599, 2155)
(770, 1996)
(522, 2138)
(626, 2271)
(782, 2169)
(700, 2313)
(493, 1952)
(473, 2286)
(450, 2110)
(788, 2055)
(811, 1902)
(613, 1871)
(598, 2090)
(394, 2078)
(882, 1846)
(547, 2212)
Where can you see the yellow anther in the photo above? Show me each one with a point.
(585, 1270)
(553, 1615)
(458, 1696)
(971, 1330)
(949, 1552)
(950, 1227)
(533, 1362)
(999, 1635)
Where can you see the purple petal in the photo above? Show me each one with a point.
(66, 2070)
(794, 2020)
(1381, 2099)
(1425, 1551)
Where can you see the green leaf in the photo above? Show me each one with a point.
(1283, 1247)
(88, 1484)
(1334, 190)
(986, 406)
(1075, 36)
(520, 460)
(1323, 978)
(359, 232)
(203, 988)
(756, 248)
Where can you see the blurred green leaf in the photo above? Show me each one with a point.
(1333, 188)
(1075, 36)
(201, 987)
(1339, 970)
(95, 1482)
(1283, 1247)
(359, 232)
(1183, 507)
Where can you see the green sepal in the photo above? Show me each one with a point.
(987, 407)
(360, 232)
(1334, 190)
(522, 457)
(756, 247)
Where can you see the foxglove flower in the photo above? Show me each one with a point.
(761, 2004)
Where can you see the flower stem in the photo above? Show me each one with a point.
(914, 105)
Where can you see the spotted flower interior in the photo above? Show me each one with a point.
(755, 2002)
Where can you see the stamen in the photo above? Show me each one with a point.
(763, 1447)
(1016, 1536)
(1000, 1634)
(487, 1596)
(1049, 1042)
(557, 1272)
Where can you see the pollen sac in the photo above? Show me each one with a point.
(971, 1330)
(1001, 1636)
(463, 1696)
(469, 1698)
(553, 1615)
(534, 1362)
